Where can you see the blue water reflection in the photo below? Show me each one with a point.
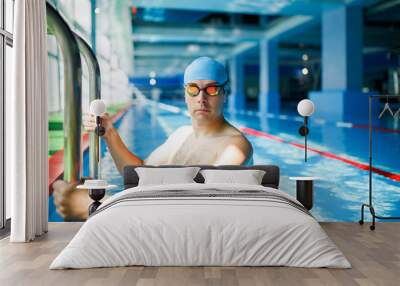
(338, 194)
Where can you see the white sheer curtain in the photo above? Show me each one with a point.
(26, 126)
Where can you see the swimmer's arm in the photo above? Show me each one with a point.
(237, 152)
(119, 152)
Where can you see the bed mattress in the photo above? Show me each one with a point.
(201, 225)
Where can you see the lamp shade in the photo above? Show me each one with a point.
(97, 107)
(305, 107)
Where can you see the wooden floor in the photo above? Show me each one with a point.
(374, 255)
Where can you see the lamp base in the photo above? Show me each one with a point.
(303, 131)
(100, 130)
(96, 195)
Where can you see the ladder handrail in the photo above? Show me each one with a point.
(94, 93)
(68, 44)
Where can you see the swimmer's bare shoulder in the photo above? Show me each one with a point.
(237, 135)
(237, 138)
(242, 143)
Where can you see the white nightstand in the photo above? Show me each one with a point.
(304, 190)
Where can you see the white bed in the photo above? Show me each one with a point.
(250, 225)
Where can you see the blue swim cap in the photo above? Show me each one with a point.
(205, 68)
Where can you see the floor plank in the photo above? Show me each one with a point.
(374, 255)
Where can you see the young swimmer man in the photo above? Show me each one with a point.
(210, 140)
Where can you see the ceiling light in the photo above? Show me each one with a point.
(193, 48)
(210, 31)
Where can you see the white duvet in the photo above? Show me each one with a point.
(183, 231)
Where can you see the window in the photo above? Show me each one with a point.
(9, 12)
(6, 43)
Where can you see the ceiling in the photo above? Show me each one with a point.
(168, 34)
(259, 7)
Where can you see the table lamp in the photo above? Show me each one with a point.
(97, 188)
(98, 107)
(305, 108)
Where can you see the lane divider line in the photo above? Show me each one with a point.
(381, 129)
(359, 165)
(318, 121)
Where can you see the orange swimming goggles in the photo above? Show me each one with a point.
(193, 89)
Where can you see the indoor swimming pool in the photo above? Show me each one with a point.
(338, 154)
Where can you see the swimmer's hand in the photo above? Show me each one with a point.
(71, 203)
(89, 122)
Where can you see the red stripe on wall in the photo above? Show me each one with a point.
(359, 165)
(56, 161)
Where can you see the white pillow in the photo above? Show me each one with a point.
(248, 177)
(163, 176)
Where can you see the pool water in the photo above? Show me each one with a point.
(340, 149)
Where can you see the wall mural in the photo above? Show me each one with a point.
(214, 110)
